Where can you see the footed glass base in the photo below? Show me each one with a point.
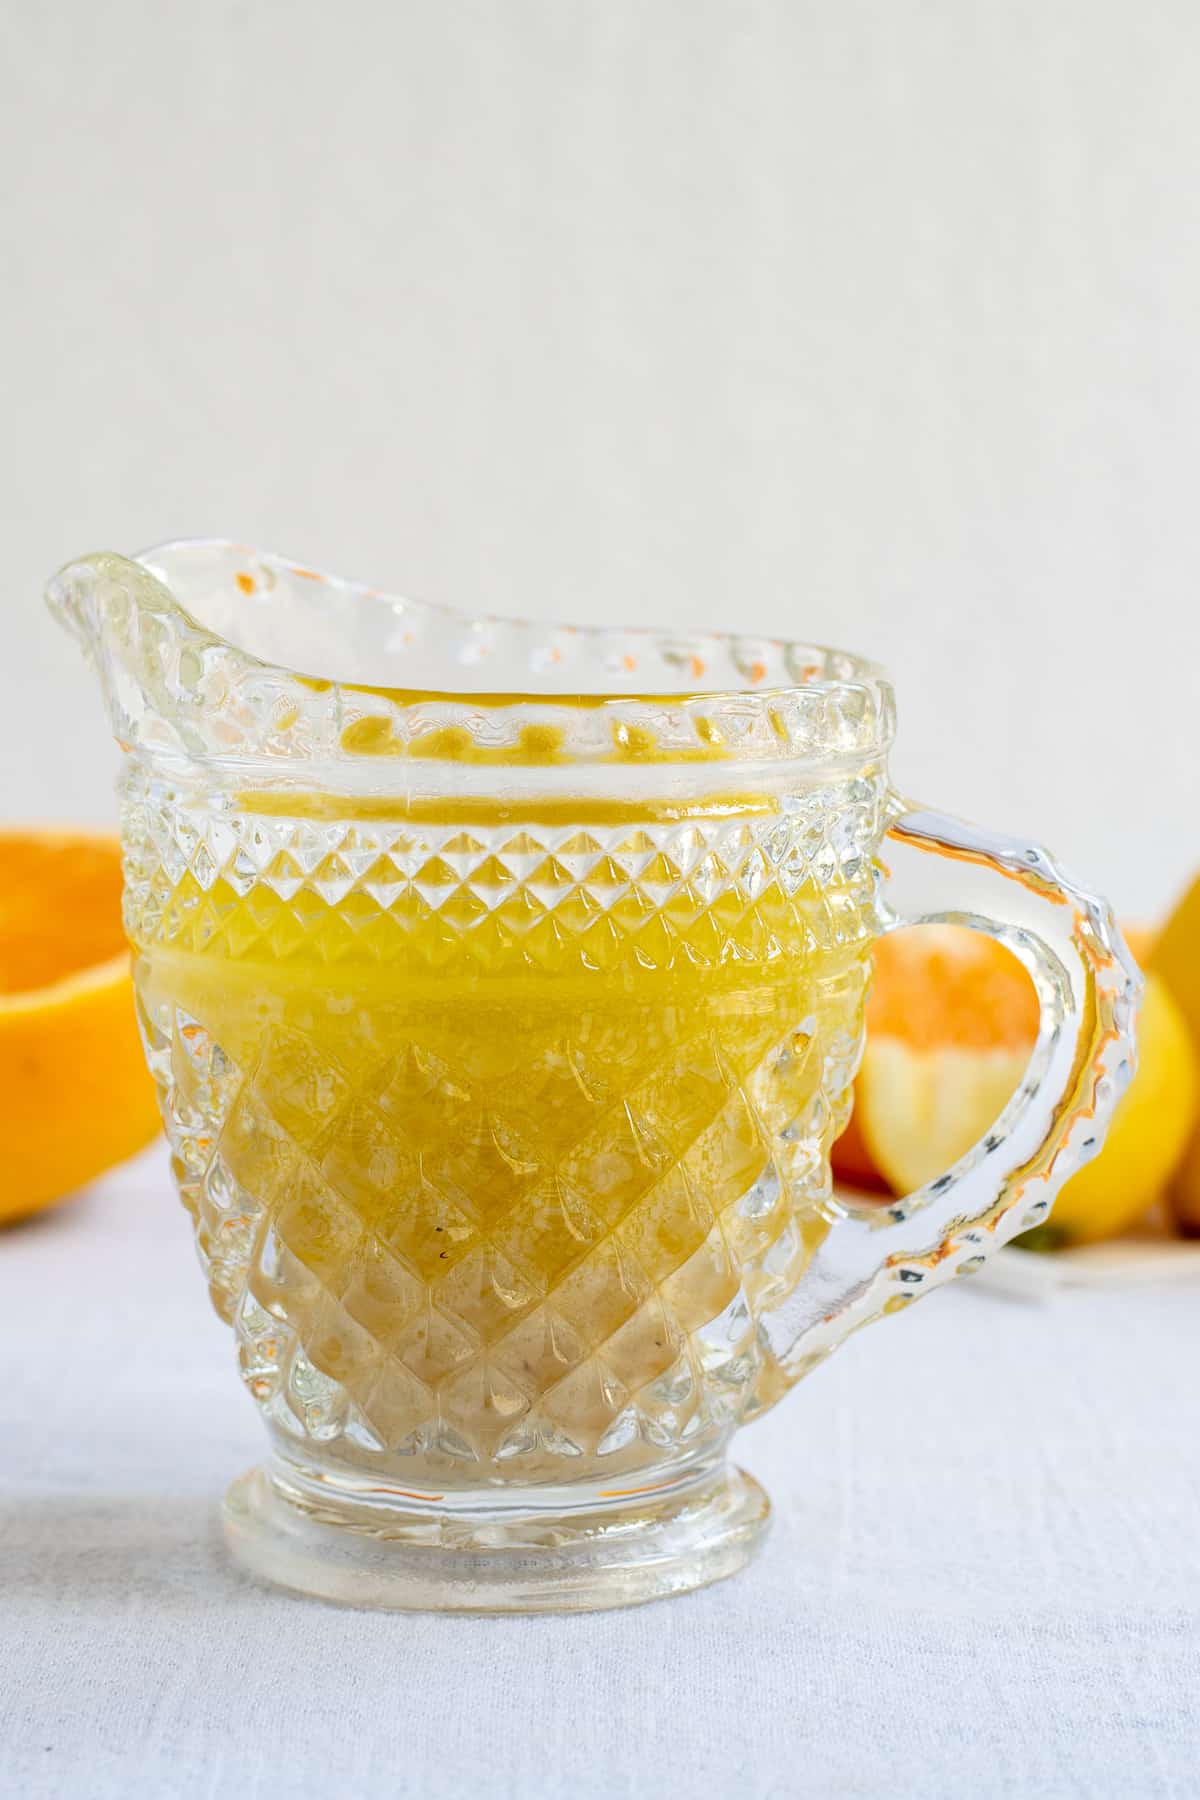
(549, 1550)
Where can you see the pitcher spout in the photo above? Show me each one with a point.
(154, 661)
(91, 597)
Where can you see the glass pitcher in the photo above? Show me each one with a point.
(503, 984)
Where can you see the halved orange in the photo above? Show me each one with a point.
(950, 1025)
(951, 1019)
(75, 1096)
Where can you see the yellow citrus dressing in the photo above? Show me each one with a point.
(518, 1133)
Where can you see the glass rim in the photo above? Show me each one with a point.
(256, 646)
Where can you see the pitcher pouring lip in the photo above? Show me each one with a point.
(209, 650)
(285, 615)
(155, 662)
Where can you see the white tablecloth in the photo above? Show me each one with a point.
(983, 1579)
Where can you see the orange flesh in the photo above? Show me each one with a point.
(944, 986)
(940, 985)
(60, 908)
(75, 1096)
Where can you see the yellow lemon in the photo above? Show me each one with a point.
(1149, 1129)
(1176, 958)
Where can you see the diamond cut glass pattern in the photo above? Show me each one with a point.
(537, 1223)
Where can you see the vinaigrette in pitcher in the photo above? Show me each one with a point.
(504, 1140)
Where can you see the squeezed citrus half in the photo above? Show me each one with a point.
(950, 1026)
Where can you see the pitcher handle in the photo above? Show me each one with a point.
(946, 871)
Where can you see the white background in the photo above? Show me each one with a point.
(875, 321)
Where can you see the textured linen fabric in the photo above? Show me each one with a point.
(983, 1578)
